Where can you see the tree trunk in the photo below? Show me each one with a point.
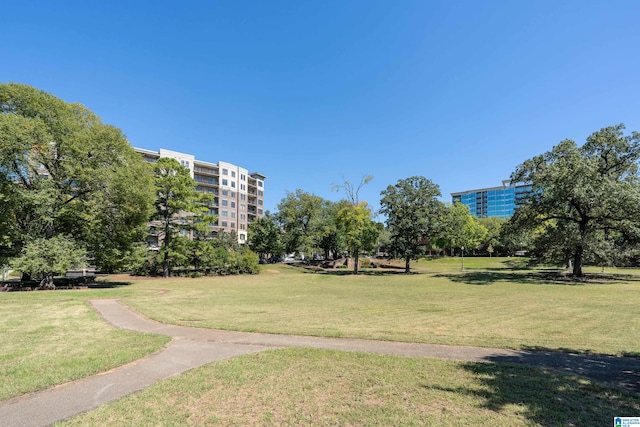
(166, 272)
(165, 266)
(25, 277)
(47, 282)
(407, 267)
(577, 262)
(579, 251)
(356, 258)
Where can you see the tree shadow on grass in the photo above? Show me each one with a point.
(615, 371)
(107, 284)
(544, 395)
(361, 272)
(539, 277)
(367, 272)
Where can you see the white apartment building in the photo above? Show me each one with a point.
(238, 196)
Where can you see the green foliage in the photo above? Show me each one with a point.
(298, 214)
(178, 208)
(581, 195)
(242, 261)
(359, 230)
(491, 241)
(48, 257)
(414, 215)
(462, 229)
(217, 255)
(64, 172)
(329, 237)
(265, 236)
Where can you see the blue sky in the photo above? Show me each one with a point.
(312, 93)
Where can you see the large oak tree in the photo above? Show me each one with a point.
(414, 214)
(64, 172)
(582, 194)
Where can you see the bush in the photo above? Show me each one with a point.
(216, 260)
(241, 261)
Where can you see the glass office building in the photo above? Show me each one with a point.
(494, 201)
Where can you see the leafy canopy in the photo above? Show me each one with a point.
(179, 208)
(582, 194)
(64, 172)
(46, 257)
(414, 214)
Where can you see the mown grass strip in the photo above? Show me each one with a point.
(49, 338)
(490, 305)
(321, 387)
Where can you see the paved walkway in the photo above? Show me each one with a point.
(193, 347)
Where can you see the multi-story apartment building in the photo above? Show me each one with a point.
(238, 196)
(495, 201)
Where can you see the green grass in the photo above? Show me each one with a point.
(322, 387)
(49, 338)
(485, 305)
(54, 337)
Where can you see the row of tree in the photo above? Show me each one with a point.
(417, 223)
(72, 189)
(583, 207)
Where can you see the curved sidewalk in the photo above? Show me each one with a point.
(193, 347)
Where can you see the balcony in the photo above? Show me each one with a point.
(206, 171)
(206, 180)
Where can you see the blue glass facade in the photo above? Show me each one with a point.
(495, 201)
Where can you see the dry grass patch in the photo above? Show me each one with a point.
(322, 387)
(492, 306)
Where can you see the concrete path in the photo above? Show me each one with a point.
(193, 347)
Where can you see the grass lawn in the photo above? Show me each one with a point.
(487, 305)
(321, 387)
(54, 337)
(49, 338)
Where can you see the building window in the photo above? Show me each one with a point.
(243, 187)
(233, 184)
(233, 204)
(243, 197)
(224, 203)
(225, 192)
(259, 211)
(233, 225)
(233, 174)
(259, 183)
(233, 194)
(225, 213)
(223, 224)
(225, 182)
(243, 177)
(243, 207)
(260, 193)
(260, 202)
(233, 214)
(225, 172)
